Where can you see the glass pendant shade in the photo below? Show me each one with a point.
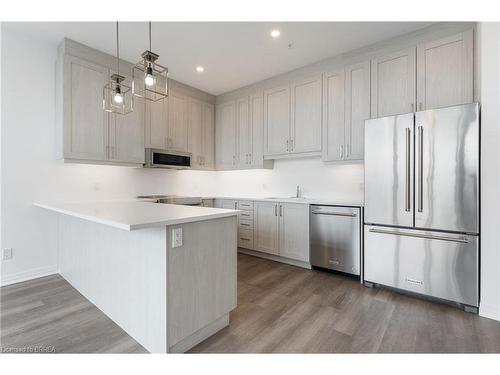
(117, 97)
(149, 79)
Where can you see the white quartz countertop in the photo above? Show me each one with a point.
(305, 200)
(132, 215)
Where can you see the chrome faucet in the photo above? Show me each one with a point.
(297, 192)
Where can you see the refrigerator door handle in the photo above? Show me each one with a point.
(420, 197)
(408, 167)
(462, 239)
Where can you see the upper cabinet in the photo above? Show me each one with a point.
(156, 124)
(333, 115)
(346, 106)
(201, 134)
(393, 79)
(208, 136)
(225, 136)
(244, 143)
(177, 121)
(88, 134)
(239, 134)
(277, 121)
(82, 122)
(357, 108)
(445, 71)
(292, 118)
(305, 129)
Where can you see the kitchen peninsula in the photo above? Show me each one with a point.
(164, 273)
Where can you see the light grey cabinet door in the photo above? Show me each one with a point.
(393, 80)
(256, 141)
(445, 71)
(127, 135)
(294, 231)
(357, 108)
(85, 123)
(266, 227)
(333, 115)
(177, 121)
(243, 131)
(208, 136)
(195, 132)
(277, 121)
(156, 124)
(305, 124)
(225, 135)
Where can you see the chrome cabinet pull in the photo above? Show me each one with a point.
(275, 210)
(347, 150)
(407, 166)
(281, 210)
(341, 151)
(287, 145)
(418, 235)
(420, 197)
(291, 145)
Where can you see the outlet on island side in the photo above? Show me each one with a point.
(176, 237)
(7, 254)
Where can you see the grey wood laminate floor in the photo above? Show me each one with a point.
(48, 313)
(285, 309)
(281, 309)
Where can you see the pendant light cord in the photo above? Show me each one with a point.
(117, 49)
(150, 35)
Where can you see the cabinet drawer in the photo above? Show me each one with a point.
(246, 215)
(245, 238)
(245, 224)
(245, 205)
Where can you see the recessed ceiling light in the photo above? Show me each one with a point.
(275, 33)
(200, 69)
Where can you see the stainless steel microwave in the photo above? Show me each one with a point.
(156, 158)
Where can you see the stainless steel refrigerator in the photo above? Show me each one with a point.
(421, 231)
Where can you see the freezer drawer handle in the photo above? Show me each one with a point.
(334, 213)
(427, 236)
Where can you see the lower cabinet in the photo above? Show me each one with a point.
(266, 227)
(282, 229)
(294, 231)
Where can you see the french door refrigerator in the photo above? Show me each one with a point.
(421, 231)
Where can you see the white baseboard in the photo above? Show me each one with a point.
(276, 258)
(489, 311)
(28, 275)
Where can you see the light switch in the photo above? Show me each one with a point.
(177, 237)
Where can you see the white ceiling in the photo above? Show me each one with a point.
(234, 54)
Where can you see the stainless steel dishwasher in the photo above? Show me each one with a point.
(335, 238)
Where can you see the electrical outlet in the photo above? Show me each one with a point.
(7, 254)
(177, 237)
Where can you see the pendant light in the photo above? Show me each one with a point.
(117, 97)
(149, 79)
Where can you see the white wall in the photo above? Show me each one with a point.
(30, 171)
(489, 37)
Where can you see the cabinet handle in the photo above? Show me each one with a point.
(291, 145)
(347, 150)
(275, 210)
(235, 205)
(281, 210)
(245, 225)
(244, 239)
(287, 145)
(341, 151)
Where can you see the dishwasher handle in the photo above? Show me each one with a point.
(334, 213)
